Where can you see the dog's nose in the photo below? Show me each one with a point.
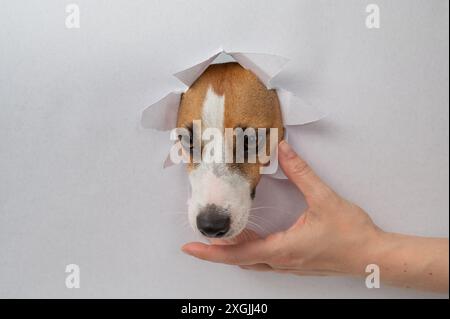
(213, 221)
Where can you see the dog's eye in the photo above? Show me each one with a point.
(250, 143)
(253, 142)
(187, 142)
(187, 139)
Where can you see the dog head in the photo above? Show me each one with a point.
(232, 102)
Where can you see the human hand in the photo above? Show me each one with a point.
(329, 238)
(334, 237)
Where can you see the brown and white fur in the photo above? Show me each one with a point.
(226, 96)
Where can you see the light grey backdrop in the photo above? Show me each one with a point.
(80, 181)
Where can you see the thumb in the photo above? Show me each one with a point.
(301, 174)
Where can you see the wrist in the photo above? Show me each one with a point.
(371, 251)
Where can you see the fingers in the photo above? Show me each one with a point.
(301, 174)
(301, 221)
(249, 253)
(257, 267)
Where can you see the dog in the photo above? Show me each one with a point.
(226, 96)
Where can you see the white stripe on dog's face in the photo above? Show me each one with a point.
(215, 184)
(213, 111)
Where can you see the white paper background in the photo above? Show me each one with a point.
(80, 180)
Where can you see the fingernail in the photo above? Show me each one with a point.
(186, 251)
(286, 150)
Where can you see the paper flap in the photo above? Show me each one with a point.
(188, 76)
(295, 111)
(264, 66)
(162, 115)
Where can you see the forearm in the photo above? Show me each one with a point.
(410, 261)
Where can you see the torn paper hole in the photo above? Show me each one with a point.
(162, 115)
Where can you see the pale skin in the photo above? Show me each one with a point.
(334, 237)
